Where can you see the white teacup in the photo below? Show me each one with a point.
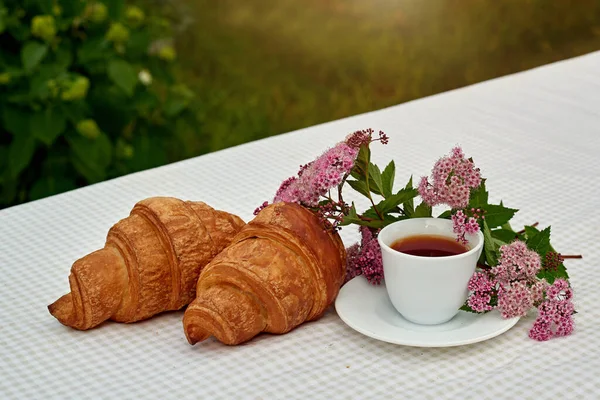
(427, 290)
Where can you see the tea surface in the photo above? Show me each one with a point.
(429, 246)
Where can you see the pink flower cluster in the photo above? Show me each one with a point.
(453, 178)
(517, 262)
(515, 287)
(514, 299)
(483, 287)
(511, 286)
(463, 226)
(318, 177)
(365, 258)
(538, 289)
(555, 314)
(516, 273)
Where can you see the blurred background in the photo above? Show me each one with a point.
(91, 90)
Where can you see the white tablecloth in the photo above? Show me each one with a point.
(536, 137)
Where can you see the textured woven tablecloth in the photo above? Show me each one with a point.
(536, 137)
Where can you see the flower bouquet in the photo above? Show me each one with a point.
(518, 269)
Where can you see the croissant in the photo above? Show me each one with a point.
(281, 269)
(149, 264)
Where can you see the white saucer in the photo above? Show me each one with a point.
(367, 309)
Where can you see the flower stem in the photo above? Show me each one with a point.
(340, 186)
(375, 208)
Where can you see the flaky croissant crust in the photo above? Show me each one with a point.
(281, 269)
(149, 264)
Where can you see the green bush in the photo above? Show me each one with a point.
(87, 93)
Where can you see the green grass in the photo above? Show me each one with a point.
(261, 67)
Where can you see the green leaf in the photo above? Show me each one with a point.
(353, 218)
(409, 205)
(48, 124)
(45, 6)
(123, 75)
(32, 54)
(467, 308)
(479, 196)
(540, 243)
(64, 55)
(138, 44)
(50, 185)
(359, 186)
(149, 152)
(57, 161)
(19, 96)
(8, 189)
(531, 231)
(72, 8)
(489, 247)
(114, 115)
(505, 235)
(375, 224)
(91, 157)
(378, 224)
(93, 49)
(481, 258)
(39, 82)
(405, 195)
(446, 214)
(387, 178)
(20, 152)
(15, 121)
(422, 211)
(551, 276)
(75, 111)
(3, 158)
(498, 243)
(19, 30)
(496, 215)
(116, 9)
(375, 181)
(391, 203)
(561, 272)
(361, 165)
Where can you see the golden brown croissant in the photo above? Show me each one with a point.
(281, 269)
(149, 264)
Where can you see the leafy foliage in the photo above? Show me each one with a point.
(494, 219)
(369, 181)
(497, 231)
(540, 242)
(501, 233)
(88, 93)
